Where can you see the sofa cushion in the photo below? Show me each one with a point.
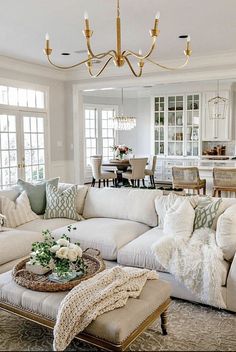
(226, 232)
(179, 220)
(36, 193)
(18, 212)
(81, 195)
(139, 253)
(127, 204)
(61, 204)
(15, 244)
(11, 193)
(106, 235)
(40, 225)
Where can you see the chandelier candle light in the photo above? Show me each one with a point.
(118, 56)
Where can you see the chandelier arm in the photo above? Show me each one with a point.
(99, 56)
(141, 57)
(131, 68)
(67, 67)
(170, 68)
(102, 69)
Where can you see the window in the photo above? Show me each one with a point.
(22, 97)
(22, 135)
(99, 131)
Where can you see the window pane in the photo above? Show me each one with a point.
(12, 140)
(33, 124)
(27, 140)
(26, 124)
(34, 142)
(31, 98)
(13, 175)
(11, 123)
(40, 124)
(4, 126)
(3, 95)
(40, 141)
(22, 97)
(5, 177)
(4, 141)
(12, 96)
(5, 159)
(13, 158)
(39, 100)
(34, 157)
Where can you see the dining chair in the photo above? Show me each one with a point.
(98, 174)
(151, 168)
(137, 171)
(188, 178)
(224, 180)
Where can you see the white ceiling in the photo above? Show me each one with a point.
(23, 24)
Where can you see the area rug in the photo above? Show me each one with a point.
(191, 327)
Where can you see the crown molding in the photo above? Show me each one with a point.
(31, 68)
(220, 65)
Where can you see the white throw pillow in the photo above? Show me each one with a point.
(179, 220)
(164, 203)
(226, 232)
(18, 212)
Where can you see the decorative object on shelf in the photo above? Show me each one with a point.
(62, 257)
(217, 106)
(118, 56)
(123, 122)
(120, 151)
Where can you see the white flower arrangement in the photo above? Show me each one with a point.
(61, 256)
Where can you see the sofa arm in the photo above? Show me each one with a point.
(231, 286)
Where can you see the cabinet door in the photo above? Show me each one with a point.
(216, 129)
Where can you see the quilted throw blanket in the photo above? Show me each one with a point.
(197, 262)
(104, 292)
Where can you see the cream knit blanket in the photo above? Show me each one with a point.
(104, 292)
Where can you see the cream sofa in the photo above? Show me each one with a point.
(121, 223)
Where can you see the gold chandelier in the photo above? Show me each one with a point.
(118, 56)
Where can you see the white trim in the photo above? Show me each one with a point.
(32, 68)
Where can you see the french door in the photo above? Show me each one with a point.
(22, 147)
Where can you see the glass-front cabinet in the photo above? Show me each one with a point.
(176, 126)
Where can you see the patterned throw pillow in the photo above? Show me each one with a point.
(18, 212)
(61, 204)
(205, 212)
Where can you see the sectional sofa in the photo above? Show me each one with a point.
(121, 223)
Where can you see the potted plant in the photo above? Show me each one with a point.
(62, 257)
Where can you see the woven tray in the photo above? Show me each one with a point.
(35, 282)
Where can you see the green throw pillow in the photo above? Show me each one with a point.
(36, 193)
(61, 204)
(205, 212)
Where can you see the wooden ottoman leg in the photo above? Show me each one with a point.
(164, 322)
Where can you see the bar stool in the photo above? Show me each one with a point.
(188, 178)
(224, 179)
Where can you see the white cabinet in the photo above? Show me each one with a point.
(176, 125)
(216, 129)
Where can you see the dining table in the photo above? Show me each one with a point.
(121, 165)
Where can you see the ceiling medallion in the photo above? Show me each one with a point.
(118, 56)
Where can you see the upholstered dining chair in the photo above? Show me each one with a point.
(150, 169)
(188, 178)
(99, 175)
(137, 171)
(224, 180)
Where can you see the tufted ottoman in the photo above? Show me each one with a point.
(113, 331)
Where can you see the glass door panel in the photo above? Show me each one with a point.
(175, 125)
(159, 125)
(34, 148)
(8, 151)
(192, 129)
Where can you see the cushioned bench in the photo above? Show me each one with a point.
(114, 330)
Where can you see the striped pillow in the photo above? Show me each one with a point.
(61, 204)
(18, 212)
